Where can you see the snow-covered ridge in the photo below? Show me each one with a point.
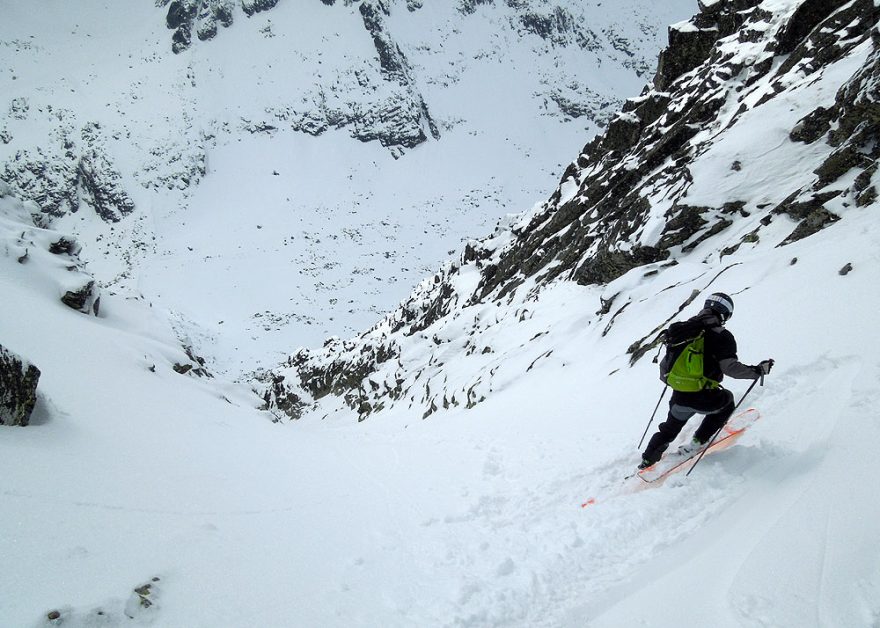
(756, 133)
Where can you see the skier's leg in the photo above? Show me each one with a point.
(667, 431)
(714, 420)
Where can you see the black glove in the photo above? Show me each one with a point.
(763, 368)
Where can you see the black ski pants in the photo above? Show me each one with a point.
(716, 403)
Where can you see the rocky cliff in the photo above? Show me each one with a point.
(756, 131)
(70, 166)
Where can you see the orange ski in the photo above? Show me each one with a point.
(674, 463)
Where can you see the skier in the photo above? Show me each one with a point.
(713, 401)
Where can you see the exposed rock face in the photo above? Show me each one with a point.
(255, 6)
(813, 126)
(402, 124)
(400, 120)
(83, 295)
(470, 6)
(807, 16)
(688, 48)
(101, 188)
(72, 170)
(624, 202)
(850, 126)
(203, 16)
(691, 43)
(84, 299)
(49, 182)
(641, 150)
(559, 27)
(391, 58)
(18, 388)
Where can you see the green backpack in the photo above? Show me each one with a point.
(682, 366)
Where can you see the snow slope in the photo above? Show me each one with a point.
(132, 474)
(471, 518)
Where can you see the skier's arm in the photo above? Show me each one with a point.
(737, 370)
(729, 363)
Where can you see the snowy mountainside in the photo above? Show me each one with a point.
(391, 130)
(758, 140)
(144, 494)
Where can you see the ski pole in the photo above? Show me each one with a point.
(652, 418)
(718, 431)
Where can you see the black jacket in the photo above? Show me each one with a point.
(719, 357)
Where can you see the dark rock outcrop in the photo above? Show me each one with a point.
(76, 286)
(181, 14)
(85, 299)
(688, 48)
(196, 365)
(807, 16)
(810, 211)
(256, 6)
(559, 27)
(398, 124)
(80, 172)
(18, 388)
(203, 17)
(85, 296)
(280, 401)
(51, 183)
(391, 58)
(470, 6)
(412, 110)
(812, 126)
(101, 187)
(691, 43)
(396, 121)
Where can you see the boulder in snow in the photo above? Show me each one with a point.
(85, 299)
(18, 388)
